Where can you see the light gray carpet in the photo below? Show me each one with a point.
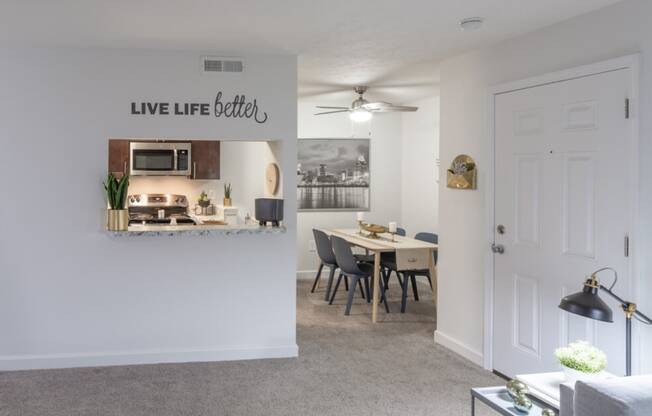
(347, 366)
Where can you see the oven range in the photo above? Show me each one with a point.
(158, 209)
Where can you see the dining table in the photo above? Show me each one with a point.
(411, 249)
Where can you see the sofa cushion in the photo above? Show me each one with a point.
(621, 396)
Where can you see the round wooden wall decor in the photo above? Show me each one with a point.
(272, 176)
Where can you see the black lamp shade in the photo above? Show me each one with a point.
(587, 303)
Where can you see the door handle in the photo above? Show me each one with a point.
(497, 248)
(194, 170)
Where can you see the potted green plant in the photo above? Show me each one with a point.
(116, 194)
(203, 200)
(581, 360)
(227, 194)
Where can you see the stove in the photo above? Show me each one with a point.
(158, 209)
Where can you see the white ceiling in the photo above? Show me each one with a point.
(391, 45)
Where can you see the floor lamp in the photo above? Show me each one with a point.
(587, 303)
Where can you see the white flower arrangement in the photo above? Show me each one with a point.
(582, 356)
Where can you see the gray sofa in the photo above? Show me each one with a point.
(621, 396)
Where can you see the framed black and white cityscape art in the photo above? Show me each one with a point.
(333, 175)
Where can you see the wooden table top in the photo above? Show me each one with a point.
(382, 244)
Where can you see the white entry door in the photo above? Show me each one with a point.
(562, 209)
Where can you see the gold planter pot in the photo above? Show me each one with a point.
(227, 202)
(117, 219)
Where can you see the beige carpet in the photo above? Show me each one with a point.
(347, 366)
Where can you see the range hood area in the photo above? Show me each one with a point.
(197, 187)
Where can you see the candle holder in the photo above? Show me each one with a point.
(392, 228)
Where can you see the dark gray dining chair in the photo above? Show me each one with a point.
(389, 265)
(428, 238)
(354, 270)
(327, 258)
(391, 257)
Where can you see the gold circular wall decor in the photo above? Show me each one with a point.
(272, 176)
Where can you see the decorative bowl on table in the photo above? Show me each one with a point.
(516, 387)
(373, 229)
(522, 403)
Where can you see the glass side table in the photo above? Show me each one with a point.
(499, 400)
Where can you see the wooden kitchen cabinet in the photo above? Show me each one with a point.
(118, 156)
(205, 159)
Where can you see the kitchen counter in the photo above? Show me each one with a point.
(201, 230)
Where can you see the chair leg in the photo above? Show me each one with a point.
(415, 291)
(346, 282)
(386, 274)
(366, 286)
(352, 288)
(339, 279)
(361, 290)
(314, 285)
(429, 281)
(400, 281)
(404, 293)
(331, 275)
(383, 298)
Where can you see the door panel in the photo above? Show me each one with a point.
(205, 159)
(578, 215)
(562, 192)
(526, 314)
(527, 196)
(118, 156)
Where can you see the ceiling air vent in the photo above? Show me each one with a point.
(216, 65)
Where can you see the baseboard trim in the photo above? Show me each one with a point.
(33, 362)
(459, 348)
(309, 274)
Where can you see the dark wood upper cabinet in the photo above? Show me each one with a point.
(118, 156)
(205, 159)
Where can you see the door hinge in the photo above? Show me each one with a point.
(626, 245)
(627, 108)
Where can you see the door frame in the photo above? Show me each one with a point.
(631, 62)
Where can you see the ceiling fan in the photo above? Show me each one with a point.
(362, 110)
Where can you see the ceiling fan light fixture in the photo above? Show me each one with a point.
(360, 115)
(471, 23)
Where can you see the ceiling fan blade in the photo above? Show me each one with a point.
(332, 108)
(333, 112)
(383, 107)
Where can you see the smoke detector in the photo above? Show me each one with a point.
(471, 23)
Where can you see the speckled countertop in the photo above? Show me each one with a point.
(200, 230)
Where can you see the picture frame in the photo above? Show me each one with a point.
(333, 174)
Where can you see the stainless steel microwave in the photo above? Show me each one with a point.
(160, 159)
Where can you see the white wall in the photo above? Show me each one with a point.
(244, 168)
(615, 31)
(419, 151)
(385, 166)
(70, 294)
